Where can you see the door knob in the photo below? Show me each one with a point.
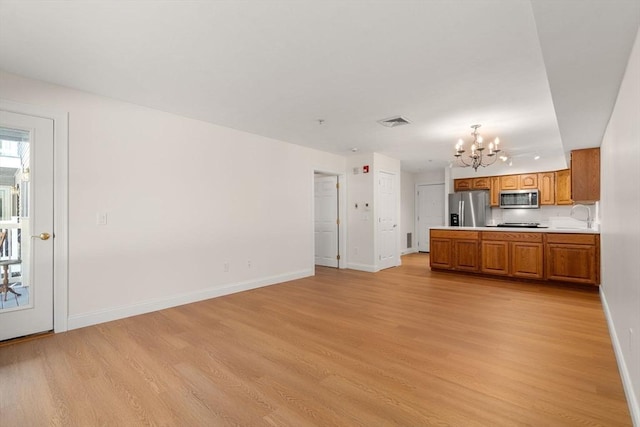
(43, 236)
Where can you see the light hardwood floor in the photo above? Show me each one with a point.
(401, 347)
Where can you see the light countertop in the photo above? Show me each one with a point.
(521, 230)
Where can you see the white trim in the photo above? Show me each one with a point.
(632, 399)
(363, 267)
(107, 315)
(409, 251)
(61, 204)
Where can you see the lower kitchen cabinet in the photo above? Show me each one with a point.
(454, 250)
(513, 254)
(573, 258)
(561, 257)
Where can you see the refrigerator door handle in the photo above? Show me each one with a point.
(461, 210)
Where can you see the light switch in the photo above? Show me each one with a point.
(101, 218)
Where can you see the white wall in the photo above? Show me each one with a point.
(408, 212)
(620, 229)
(360, 214)
(240, 198)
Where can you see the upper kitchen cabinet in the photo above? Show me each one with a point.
(495, 191)
(563, 187)
(528, 181)
(483, 183)
(464, 184)
(509, 182)
(585, 175)
(547, 187)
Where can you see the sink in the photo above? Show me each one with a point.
(567, 223)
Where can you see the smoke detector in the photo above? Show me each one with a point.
(392, 122)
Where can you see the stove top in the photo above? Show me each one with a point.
(520, 224)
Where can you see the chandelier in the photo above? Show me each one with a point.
(477, 157)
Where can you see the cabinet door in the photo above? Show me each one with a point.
(585, 175)
(527, 260)
(547, 186)
(466, 255)
(441, 253)
(509, 182)
(563, 187)
(528, 181)
(495, 191)
(463, 184)
(483, 183)
(571, 263)
(495, 257)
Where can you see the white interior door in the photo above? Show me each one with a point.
(26, 255)
(326, 221)
(387, 221)
(430, 212)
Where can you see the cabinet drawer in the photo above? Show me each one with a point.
(512, 236)
(574, 239)
(454, 234)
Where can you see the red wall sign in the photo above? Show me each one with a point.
(365, 169)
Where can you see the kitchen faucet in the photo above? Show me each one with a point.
(589, 219)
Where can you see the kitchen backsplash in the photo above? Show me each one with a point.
(541, 215)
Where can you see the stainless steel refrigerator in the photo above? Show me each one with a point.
(471, 207)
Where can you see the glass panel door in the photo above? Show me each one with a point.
(26, 225)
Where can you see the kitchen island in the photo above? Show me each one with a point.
(542, 254)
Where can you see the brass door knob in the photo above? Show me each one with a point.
(43, 236)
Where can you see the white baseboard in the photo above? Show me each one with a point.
(632, 399)
(409, 251)
(363, 267)
(115, 313)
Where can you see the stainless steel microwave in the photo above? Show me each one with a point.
(519, 199)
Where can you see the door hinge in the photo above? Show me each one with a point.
(338, 185)
(338, 257)
(338, 221)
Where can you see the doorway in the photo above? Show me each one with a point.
(430, 211)
(33, 217)
(388, 243)
(329, 232)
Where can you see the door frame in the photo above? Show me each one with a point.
(342, 215)
(60, 204)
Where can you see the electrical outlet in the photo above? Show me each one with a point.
(226, 266)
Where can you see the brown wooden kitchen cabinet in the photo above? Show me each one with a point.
(483, 183)
(513, 254)
(573, 258)
(585, 175)
(495, 191)
(509, 182)
(463, 184)
(560, 257)
(563, 187)
(547, 187)
(528, 181)
(454, 250)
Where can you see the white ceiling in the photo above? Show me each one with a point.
(541, 75)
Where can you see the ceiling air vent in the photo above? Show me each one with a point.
(392, 122)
